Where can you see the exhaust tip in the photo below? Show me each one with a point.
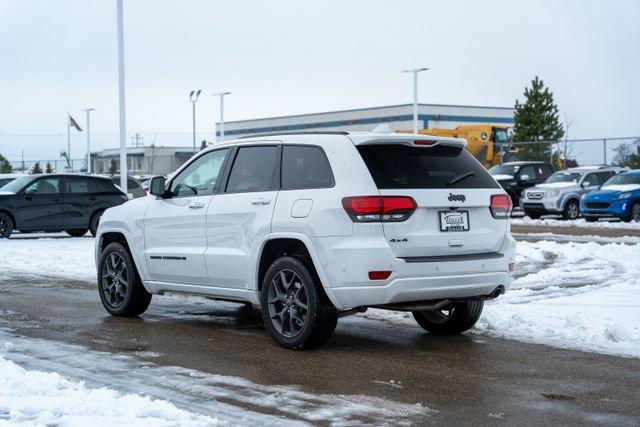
(497, 292)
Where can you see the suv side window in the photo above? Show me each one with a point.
(604, 177)
(528, 170)
(76, 185)
(592, 179)
(544, 172)
(200, 178)
(305, 167)
(44, 186)
(254, 169)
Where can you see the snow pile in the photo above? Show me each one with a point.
(582, 223)
(42, 398)
(587, 297)
(70, 258)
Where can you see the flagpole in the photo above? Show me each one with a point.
(68, 141)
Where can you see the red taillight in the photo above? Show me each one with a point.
(379, 208)
(379, 275)
(501, 205)
(424, 142)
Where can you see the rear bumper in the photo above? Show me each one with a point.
(408, 289)
(347, 284)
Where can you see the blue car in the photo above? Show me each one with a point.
(619, 197)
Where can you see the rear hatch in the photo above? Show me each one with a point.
(452, 191)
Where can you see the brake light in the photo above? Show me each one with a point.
(379, 208)
(424, 142)
(501, 206)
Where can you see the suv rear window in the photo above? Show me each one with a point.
(401, 166)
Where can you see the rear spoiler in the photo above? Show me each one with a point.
(406, 139)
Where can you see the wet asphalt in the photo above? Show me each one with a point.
(465, 379)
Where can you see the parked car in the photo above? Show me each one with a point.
(516, 176)
(561, 192)
(6, 178)
(311, 227)
(52, 202)
(619, 197)
(134, 187)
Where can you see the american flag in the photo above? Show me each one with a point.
(75, 124)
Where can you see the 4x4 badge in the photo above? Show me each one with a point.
(457, 197)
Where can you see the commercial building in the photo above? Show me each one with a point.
(366, 119)
(150, 160)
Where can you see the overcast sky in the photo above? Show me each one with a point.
(293, 57)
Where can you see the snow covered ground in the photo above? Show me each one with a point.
(52, 383)
(550, 222)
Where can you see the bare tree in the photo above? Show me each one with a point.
(623, 152)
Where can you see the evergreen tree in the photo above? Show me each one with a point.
(48, 168)
(36, 168)
(536, 120)
(5, 166)
(113, 168)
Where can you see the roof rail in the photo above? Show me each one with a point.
(302, 132)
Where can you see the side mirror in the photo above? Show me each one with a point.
(157, 186)
(586, 184)
(524, 178)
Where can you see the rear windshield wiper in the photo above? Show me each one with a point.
(460, 177)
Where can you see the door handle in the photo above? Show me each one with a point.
(261, 202)
(196, 205)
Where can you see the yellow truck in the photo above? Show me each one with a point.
(486, 142)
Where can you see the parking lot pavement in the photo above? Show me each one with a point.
(466, 378)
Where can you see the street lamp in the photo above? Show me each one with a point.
(221, 95)
(121, 103)
(88, 111)
(415, 72)
(193, 97)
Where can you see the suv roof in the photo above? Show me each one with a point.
(593, 168)
(524, 162)
(356, 137)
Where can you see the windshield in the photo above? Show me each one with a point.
(504, 170)
(623, 179)
(500, 135)
(18, 184)
(563, 177)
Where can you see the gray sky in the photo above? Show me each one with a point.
(293, 57)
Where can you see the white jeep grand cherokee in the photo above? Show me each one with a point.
(313, 226)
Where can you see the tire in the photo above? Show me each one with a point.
(120, 288)
(95, 221)
(634, 213)
(6, 226)
(571, 210)
(459, 317)
(288, 286)
(77, 232)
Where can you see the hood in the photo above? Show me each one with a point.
(502, 177)
(622, 187)
(557, 185)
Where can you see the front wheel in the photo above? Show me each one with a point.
(121, 290)
(634, 215)
(294, 311)
(452, 319)
(6, 226)
(571, 210)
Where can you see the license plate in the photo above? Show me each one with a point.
(454, 221)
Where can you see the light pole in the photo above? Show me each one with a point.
(221, 95)
(88, 111)
(415, 72)
(193, 97)
(121, 103)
